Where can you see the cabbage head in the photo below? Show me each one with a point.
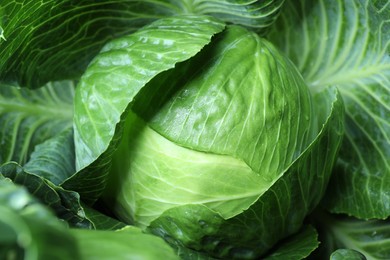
(228, 151)
(209, 135)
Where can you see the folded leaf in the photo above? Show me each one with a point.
(278, 212)
(114, 78)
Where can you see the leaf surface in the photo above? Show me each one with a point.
(279, 212)
(114, 78)
(346, 44)
(366, 239)
(29, 230)
(66, 204)
(29, 117)
(298, 246)
(42, 41)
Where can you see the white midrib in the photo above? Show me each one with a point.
(55, 111)
(348, 76)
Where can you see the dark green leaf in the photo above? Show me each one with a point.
(54, 40)
(66, 204)
(43, 41)
(29, 230)
(29, 117)
(368, 237)
(54, 159)
(298, 246)
(101, 221)
(347, 44)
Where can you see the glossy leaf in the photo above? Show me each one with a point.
(115, 77)
(346, 43)
(29, 117)
(155, 181)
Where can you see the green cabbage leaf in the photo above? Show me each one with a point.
(347, 44)
(43, 41)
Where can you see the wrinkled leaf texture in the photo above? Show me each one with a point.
(111, 82)
(29, 117)
(42, 41)
(346, 44)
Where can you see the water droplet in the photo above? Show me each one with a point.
(203, 224)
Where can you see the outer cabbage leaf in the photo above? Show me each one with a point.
(51, 40)
(127, 243)
(254, 14)
(114, 78)
(65, 204)
(102, 221)
(298, 246)
(364, 238)
(29, 117)
(38, 39)
(54, 159)
(29, 230)
(346, 43)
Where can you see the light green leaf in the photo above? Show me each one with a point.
(346, 43)
(271, 218)
(115, 77)
(127, 243)
(240, 111)
(2, 37)
(29, 117)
